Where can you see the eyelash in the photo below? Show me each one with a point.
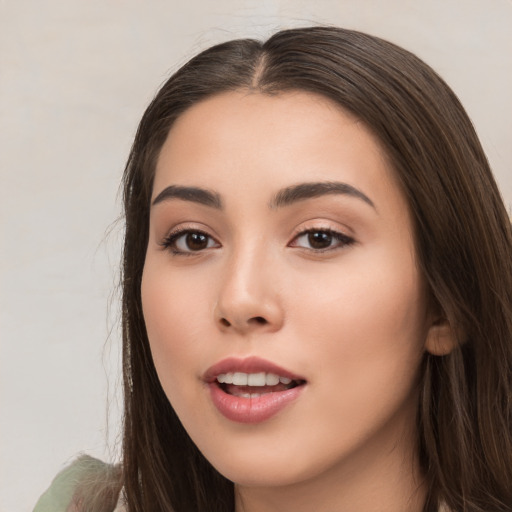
(341, 239)
(170, 241)
(173, 238)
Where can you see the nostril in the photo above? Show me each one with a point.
(255, 320)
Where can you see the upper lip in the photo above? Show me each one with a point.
(251, 364)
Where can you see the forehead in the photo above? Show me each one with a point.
(245, 138)
(235, 115)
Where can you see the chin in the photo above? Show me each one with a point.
(261, 475)
(266, 466)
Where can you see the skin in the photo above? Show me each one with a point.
(351, 319)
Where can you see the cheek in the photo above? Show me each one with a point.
(371, 295)
(370, 325)
(169, 309)
(363, 337)
(176, 310)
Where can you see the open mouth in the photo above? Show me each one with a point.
(252, 389)
(254, 385)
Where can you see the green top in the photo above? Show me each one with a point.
(59, 496)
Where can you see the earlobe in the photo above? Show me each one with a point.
(441, 338)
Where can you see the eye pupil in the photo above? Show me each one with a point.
(319, 239)
(196, 241)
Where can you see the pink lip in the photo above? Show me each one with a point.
(250, 410)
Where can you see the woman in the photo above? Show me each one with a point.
(317, 289)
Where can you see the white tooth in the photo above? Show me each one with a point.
(245, 395)
(271, 379)
(255, 395)
(221, 378)
(240, 379)
(228, 378)
(284, 380)
(256, 379)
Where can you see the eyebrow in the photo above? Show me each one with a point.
(284, 197)
(303, 191)
(193, 194)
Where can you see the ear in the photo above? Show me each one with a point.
(441, 338)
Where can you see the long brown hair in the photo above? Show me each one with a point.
(463, 242)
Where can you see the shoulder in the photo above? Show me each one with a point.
(86, 479)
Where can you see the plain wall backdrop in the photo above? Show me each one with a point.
(75, 77)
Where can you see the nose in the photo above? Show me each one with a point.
(249, 299)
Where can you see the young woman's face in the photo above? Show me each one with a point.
(283, 304)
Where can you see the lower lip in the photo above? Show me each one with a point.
(252, 410)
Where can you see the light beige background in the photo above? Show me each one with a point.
(75, 77)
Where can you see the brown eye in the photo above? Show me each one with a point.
(196, 241)
(188, 241)
(321, 240)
